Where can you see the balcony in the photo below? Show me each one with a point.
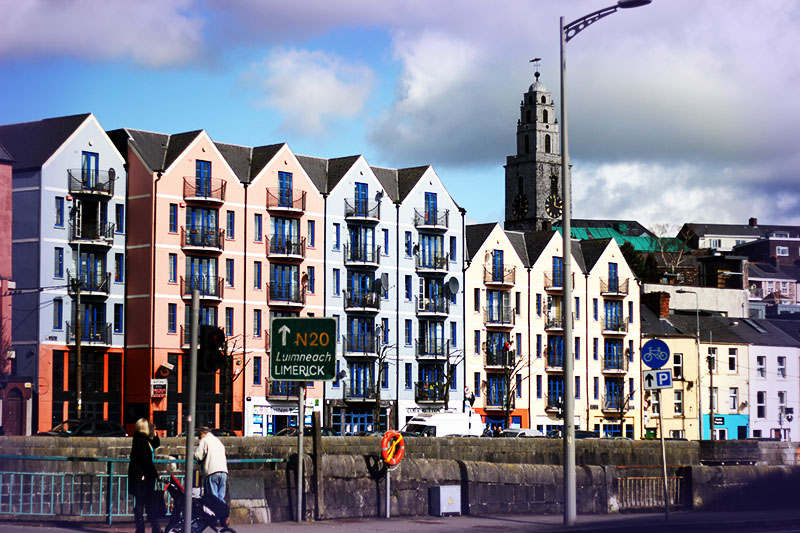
(210, 287)
(436, 306)
(362, 301)
(281, 247)
(202, 239)
(286, 294)
(91, 182)
(362, 256)
(497, 358)
(360, 394)
(499, 316)
(554, 282)
(497, 402)
(92, 333)
(554, 404)
(615, 325)
(91, 283)
(554, 361)
(432, 263)
(612, 287)
(430, 392)
(613, 403)
(92, 234)
(362, 210)
(432, 219)
(615, 364)
(287, 201)
(553, 322)
(365, 345)
(432, 349)
(210, 190)
(186, 335)
(504, 276)
(283, 390)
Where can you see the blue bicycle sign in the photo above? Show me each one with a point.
(655, 353)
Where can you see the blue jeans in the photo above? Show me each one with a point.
(215, 484)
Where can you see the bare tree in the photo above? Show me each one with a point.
(231, 350)
(454, 358)
(670, 250)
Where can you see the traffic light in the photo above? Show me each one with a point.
(211, 356)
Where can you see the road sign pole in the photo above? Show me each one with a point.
(300, 427)
(663, 455)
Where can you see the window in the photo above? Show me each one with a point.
(595, 345)
(655, 403)
(477, 384)
(577, 387)
(408, 376)
(733, 399)
(453, 256)
(519, 343)
(453, 334)
(714, 243)
(256, 323)
(337, 287)
(230, 225)
(712, 359)
(337, 236)
(58, 313)
(782, 401)
(678, 395)
(538, 305)
(477, 349)
(454, 375)
(630, 312)
(714, 399)
(677, 365)
(385, 330)
(173, 268)
(173, 218)
(119, 218)
(258, 230)
(172, 312)
(539, 386)
(386, 242)
(58, 260)
(577, 308)
(732, 352)
(119, 268)
(336, 379)
(408, 333)
(761, 404)
(59, 211)
(517, 301)
(761, 366)
(312, 230)
(257, 370)
(594, 308)
(118, 318)
(336, 318)
(596, 388)
(385, 375)
(311, 279)
(408, 288)
(408, 243)
(229, 321)
(782, 251)
(538, 345)
(477, 298)
(257, 275)
(229, 272)
(577, 347)
(519, 386)
(781, 366)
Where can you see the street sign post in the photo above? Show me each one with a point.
(303, 349)
(657, 379)
(655, 353)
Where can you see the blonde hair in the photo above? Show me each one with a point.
(143, 425)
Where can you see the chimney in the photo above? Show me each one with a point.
(753, 222)
(657, 302)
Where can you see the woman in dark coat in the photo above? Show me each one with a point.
(142, 475)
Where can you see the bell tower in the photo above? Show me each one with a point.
(533, 175)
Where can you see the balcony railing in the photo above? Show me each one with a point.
(499, 276)
(365, 344)
(286, 294)
(432, 348)
(617, 324)
(555, 281)
(499, 316)
(438, 305)
(613, 287)
(615, 364)
(554, 360)
(286, 199)
(92, 332)
(428, 262)
(280, 245)
(367, 301)
(85, 181)
(432, 219)
(204, 190)
(496, 357)
(283, 389)
(91, 282)
(361, 393)
(208, 286)
(498, 401)
(430, 392)
(613, 403)
(101, 233)
(362, 255)
(206, 238)
(554, 403)
(362, 208)
(553, 321)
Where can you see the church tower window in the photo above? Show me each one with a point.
(527, 145)
(528, 116)
(544, 99)
(547, 144)
(545, 116)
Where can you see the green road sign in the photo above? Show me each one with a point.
(303, 349)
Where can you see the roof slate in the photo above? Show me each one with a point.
(178, 144)
(338, 167)
(260, 158)
(5, 156)
(407, 178)
(32, 143)
(592, 250)
(317, 170)
(238, 158)
(388, 180)
(475, 235)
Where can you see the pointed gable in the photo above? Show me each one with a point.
(592, 250)
(260, 158)
(407, 178)
(178, 144)
(475, 235)
(33, 143)
(238, 158)
(317, 170)
(388, 179)
(150, 146)
(338, 167)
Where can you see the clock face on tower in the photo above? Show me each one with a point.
(553, 206)
(520, 206)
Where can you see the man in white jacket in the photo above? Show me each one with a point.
(211, 454)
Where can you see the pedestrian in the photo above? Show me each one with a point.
(497, 432)
(142, 476)
(211, 453)
(487, 431)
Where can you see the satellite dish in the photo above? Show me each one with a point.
(379, 196)
(112, 174)
(377, 286)
(416, 249)
(385, 280)
(342, 374)
(452, 285)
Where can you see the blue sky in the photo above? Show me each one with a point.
(680, 111)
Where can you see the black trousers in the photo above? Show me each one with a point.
(147, 501)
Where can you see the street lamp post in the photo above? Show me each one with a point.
(697, 343)
(565, 34)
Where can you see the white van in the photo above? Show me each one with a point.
(443, 424)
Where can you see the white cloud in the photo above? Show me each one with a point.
(311, 88)
(154, 33)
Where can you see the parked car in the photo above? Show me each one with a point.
(521, 432)
(291, 431)
(579, 434)
(86, 428)
(217, 433)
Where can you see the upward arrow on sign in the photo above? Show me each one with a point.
(283, 331)
(649, 379)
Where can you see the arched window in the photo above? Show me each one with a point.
(545, 116)
(544, 99)
(528, 116)
(547, 144)
(527, 144)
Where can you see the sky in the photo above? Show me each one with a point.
(679, 111)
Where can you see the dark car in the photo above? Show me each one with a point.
(579, 434)
(292, 432)
(86, 428)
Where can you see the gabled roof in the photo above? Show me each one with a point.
(317, 170)
(338, 167)
(238, 158)
(627, 228)
(733, 230)
(767, 271)
(592, 250)
(654, 326)
(260, 158)
(517, 240)
(150, 146)
(762, 332)
(4, 155)
(475, 235)
(32, 143)
(178, 144)
(388, 180)
(407, 178)
(789, 327)
(536, 242)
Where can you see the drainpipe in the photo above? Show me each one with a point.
(463, 305)
(397, 321)
(159, 175)
(244, 316)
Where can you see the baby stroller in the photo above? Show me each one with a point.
(207, 511)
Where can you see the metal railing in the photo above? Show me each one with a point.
(612, 286)
(554, 360)
(205, 189)
(501, 276)
(362, 392)
(86, 181)
(96, 232)
(647, 492)
(211, 238)
(362, 255)
(92, 332)
(427, 261)
(289, 199)
(499, 316)
(432, 218)
(91, 282)
(370, 301)
(208, 286)
(286, 293)
(615, 363)
(358, 208)
(430, 392)
(613, 402)
(283, 389)
(365, 344)
(432, 348)
(283, 245)
(437, 305)
(497, 357)
(618, 324)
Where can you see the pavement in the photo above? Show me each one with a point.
(783, 521)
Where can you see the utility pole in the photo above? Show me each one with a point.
(711, 365)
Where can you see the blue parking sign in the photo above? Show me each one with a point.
(655, 353)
